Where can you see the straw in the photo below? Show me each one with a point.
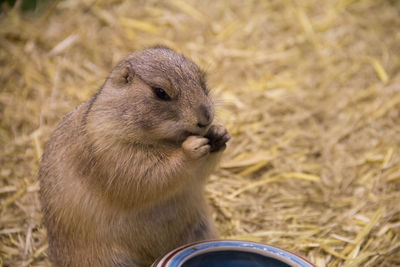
(309, 90)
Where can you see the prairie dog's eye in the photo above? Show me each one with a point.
(161, 94)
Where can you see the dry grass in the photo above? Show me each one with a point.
(309, 89)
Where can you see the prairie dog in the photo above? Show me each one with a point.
(122, 176)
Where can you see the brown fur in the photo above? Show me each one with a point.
(122, 176)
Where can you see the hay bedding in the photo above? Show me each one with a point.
(309, 89)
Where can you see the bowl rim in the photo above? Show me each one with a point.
(180, 255)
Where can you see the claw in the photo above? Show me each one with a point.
(218, 137)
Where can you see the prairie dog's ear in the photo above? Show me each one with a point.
(122, 74)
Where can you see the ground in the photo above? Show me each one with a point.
(310, 91)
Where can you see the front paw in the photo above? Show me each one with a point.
(218, 136)
(196, 147)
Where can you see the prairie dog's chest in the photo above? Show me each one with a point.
(160, 224)
(180, 207)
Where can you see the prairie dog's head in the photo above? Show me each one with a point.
(154, 95)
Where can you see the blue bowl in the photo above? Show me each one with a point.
(230, 253)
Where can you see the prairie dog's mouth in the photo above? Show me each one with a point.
(201, 132)
(186, 134)
(181, 137)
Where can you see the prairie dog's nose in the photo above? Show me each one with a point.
(205, 116)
